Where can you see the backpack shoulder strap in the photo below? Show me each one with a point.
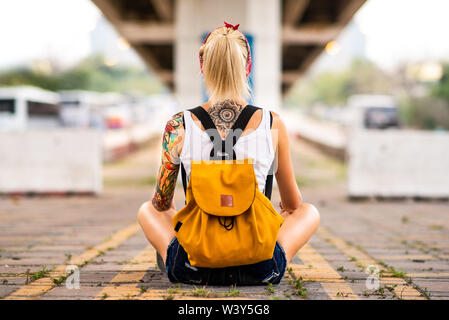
(204, 118)
(238, 127)
(237, 130)
(244, 117)
(212, 132)
(214, 136)
(183, 170)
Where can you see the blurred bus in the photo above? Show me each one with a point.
(373, 112)
(26, 107)
(116, 111)
(80, 108)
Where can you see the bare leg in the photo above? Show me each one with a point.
(298, 228)
(157, 226)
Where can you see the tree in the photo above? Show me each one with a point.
(441, 88)
(89, 74)
(334, 88)
(426, 112)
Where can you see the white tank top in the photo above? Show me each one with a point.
(256, 145)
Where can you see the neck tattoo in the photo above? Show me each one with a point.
(224, 114)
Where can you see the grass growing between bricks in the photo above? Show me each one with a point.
(300, 290)
(298, 285)
(233, 292)
(210, 293)
(203, 292)
(36, 275)
(387, 274)
(269, 289)
(383, 292)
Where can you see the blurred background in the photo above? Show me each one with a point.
(86, 88)
(122, 68)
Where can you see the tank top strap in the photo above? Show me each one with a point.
(267, 127)
(265, 119)
(187, 119)
(188, 122)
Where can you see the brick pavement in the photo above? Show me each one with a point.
(408, 242)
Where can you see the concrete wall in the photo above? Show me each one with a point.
(54, 160)
(399, 163)
(259, 18)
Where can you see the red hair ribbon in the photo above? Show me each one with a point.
(228, 25)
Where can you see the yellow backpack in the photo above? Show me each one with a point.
(227, 221)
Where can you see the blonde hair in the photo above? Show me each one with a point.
(225, 56)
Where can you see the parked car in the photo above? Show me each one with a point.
(373, 112)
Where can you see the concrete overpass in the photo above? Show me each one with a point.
(288, 36)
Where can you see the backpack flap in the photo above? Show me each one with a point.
(223, 187)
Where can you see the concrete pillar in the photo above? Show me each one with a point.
(264, 22)
(258, 18)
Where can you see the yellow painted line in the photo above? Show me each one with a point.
(422, 237)
(406, 257)
(190, 297)
(402, 290)
(37, 288)
(331, 281)
(428, 275)
(125, 284)
(158, 294)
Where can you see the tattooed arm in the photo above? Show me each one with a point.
(168, 171)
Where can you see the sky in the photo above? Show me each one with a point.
(58, 29)
(404, 30)
(395, 30)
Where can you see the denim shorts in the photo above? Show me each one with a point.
(178, 269)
